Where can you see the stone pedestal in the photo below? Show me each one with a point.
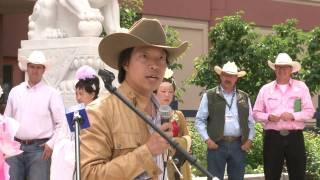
(64, 57)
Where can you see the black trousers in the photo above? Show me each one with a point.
(277, 148)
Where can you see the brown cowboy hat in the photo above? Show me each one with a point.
(145, 32)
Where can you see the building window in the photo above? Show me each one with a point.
(7, 71)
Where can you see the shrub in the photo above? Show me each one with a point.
(199, 149)
(255, 156)
(312, 142)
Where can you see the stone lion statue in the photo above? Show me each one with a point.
(53, 19)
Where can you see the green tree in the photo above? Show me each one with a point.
(130, 11)
(286, 37)
(311, 62)
(233, 39)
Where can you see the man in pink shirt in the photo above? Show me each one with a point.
(40, 112)
(283, 106)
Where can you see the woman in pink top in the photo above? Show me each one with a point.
(8, 147)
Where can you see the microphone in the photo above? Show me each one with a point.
(165, 113)
(77, 113)
(77, 117)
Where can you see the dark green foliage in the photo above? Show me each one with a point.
(233, 39)
(174, 41)
(130, 11)
(312, 142)
(311, 61)
(255, 158)
(198, 148)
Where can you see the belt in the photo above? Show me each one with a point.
(31, 141)
(231, 138)
(282, 132)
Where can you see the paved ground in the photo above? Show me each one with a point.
(248, 177)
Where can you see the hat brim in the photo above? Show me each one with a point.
(111, 46)
(23, 62)
(296, 66)
(219, 70)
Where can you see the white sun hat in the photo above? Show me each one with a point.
(283, 59)
(36, 57)
(229, 68)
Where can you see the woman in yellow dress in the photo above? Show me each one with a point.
(165, 94)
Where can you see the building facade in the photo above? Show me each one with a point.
(192, 19)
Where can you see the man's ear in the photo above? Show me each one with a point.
(125, 66)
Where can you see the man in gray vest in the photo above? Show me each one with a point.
(224, 120)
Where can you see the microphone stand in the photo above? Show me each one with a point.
(177, 174)
(107, 78)
(77, 120)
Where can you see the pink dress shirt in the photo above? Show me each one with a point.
(271, 100)
(39, 110)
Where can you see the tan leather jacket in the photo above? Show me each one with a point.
(114, 146)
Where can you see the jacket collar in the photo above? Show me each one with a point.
(136, 98)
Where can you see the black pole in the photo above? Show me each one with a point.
(77, 120)
(107, 78)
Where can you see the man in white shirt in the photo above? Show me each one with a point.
(40, 111)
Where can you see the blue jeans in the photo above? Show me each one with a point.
(29, 165)
(229, 153)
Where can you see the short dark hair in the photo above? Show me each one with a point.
(90, 85)
(124, 58)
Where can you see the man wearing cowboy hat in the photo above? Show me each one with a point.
(225, 123)
(282, 106)
(119, 145)
(40, 111)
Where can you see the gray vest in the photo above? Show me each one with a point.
(216, 108)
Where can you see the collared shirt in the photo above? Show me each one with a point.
(39, 110)
(114, 146)
(232, 127)
(271, 100)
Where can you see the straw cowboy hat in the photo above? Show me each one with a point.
(145, 32)
(229, 68)
(36, 57)
(284, 59)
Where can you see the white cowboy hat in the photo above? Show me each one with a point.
(229, 68)
(284, 59)
(36, 57)
(145, 32)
